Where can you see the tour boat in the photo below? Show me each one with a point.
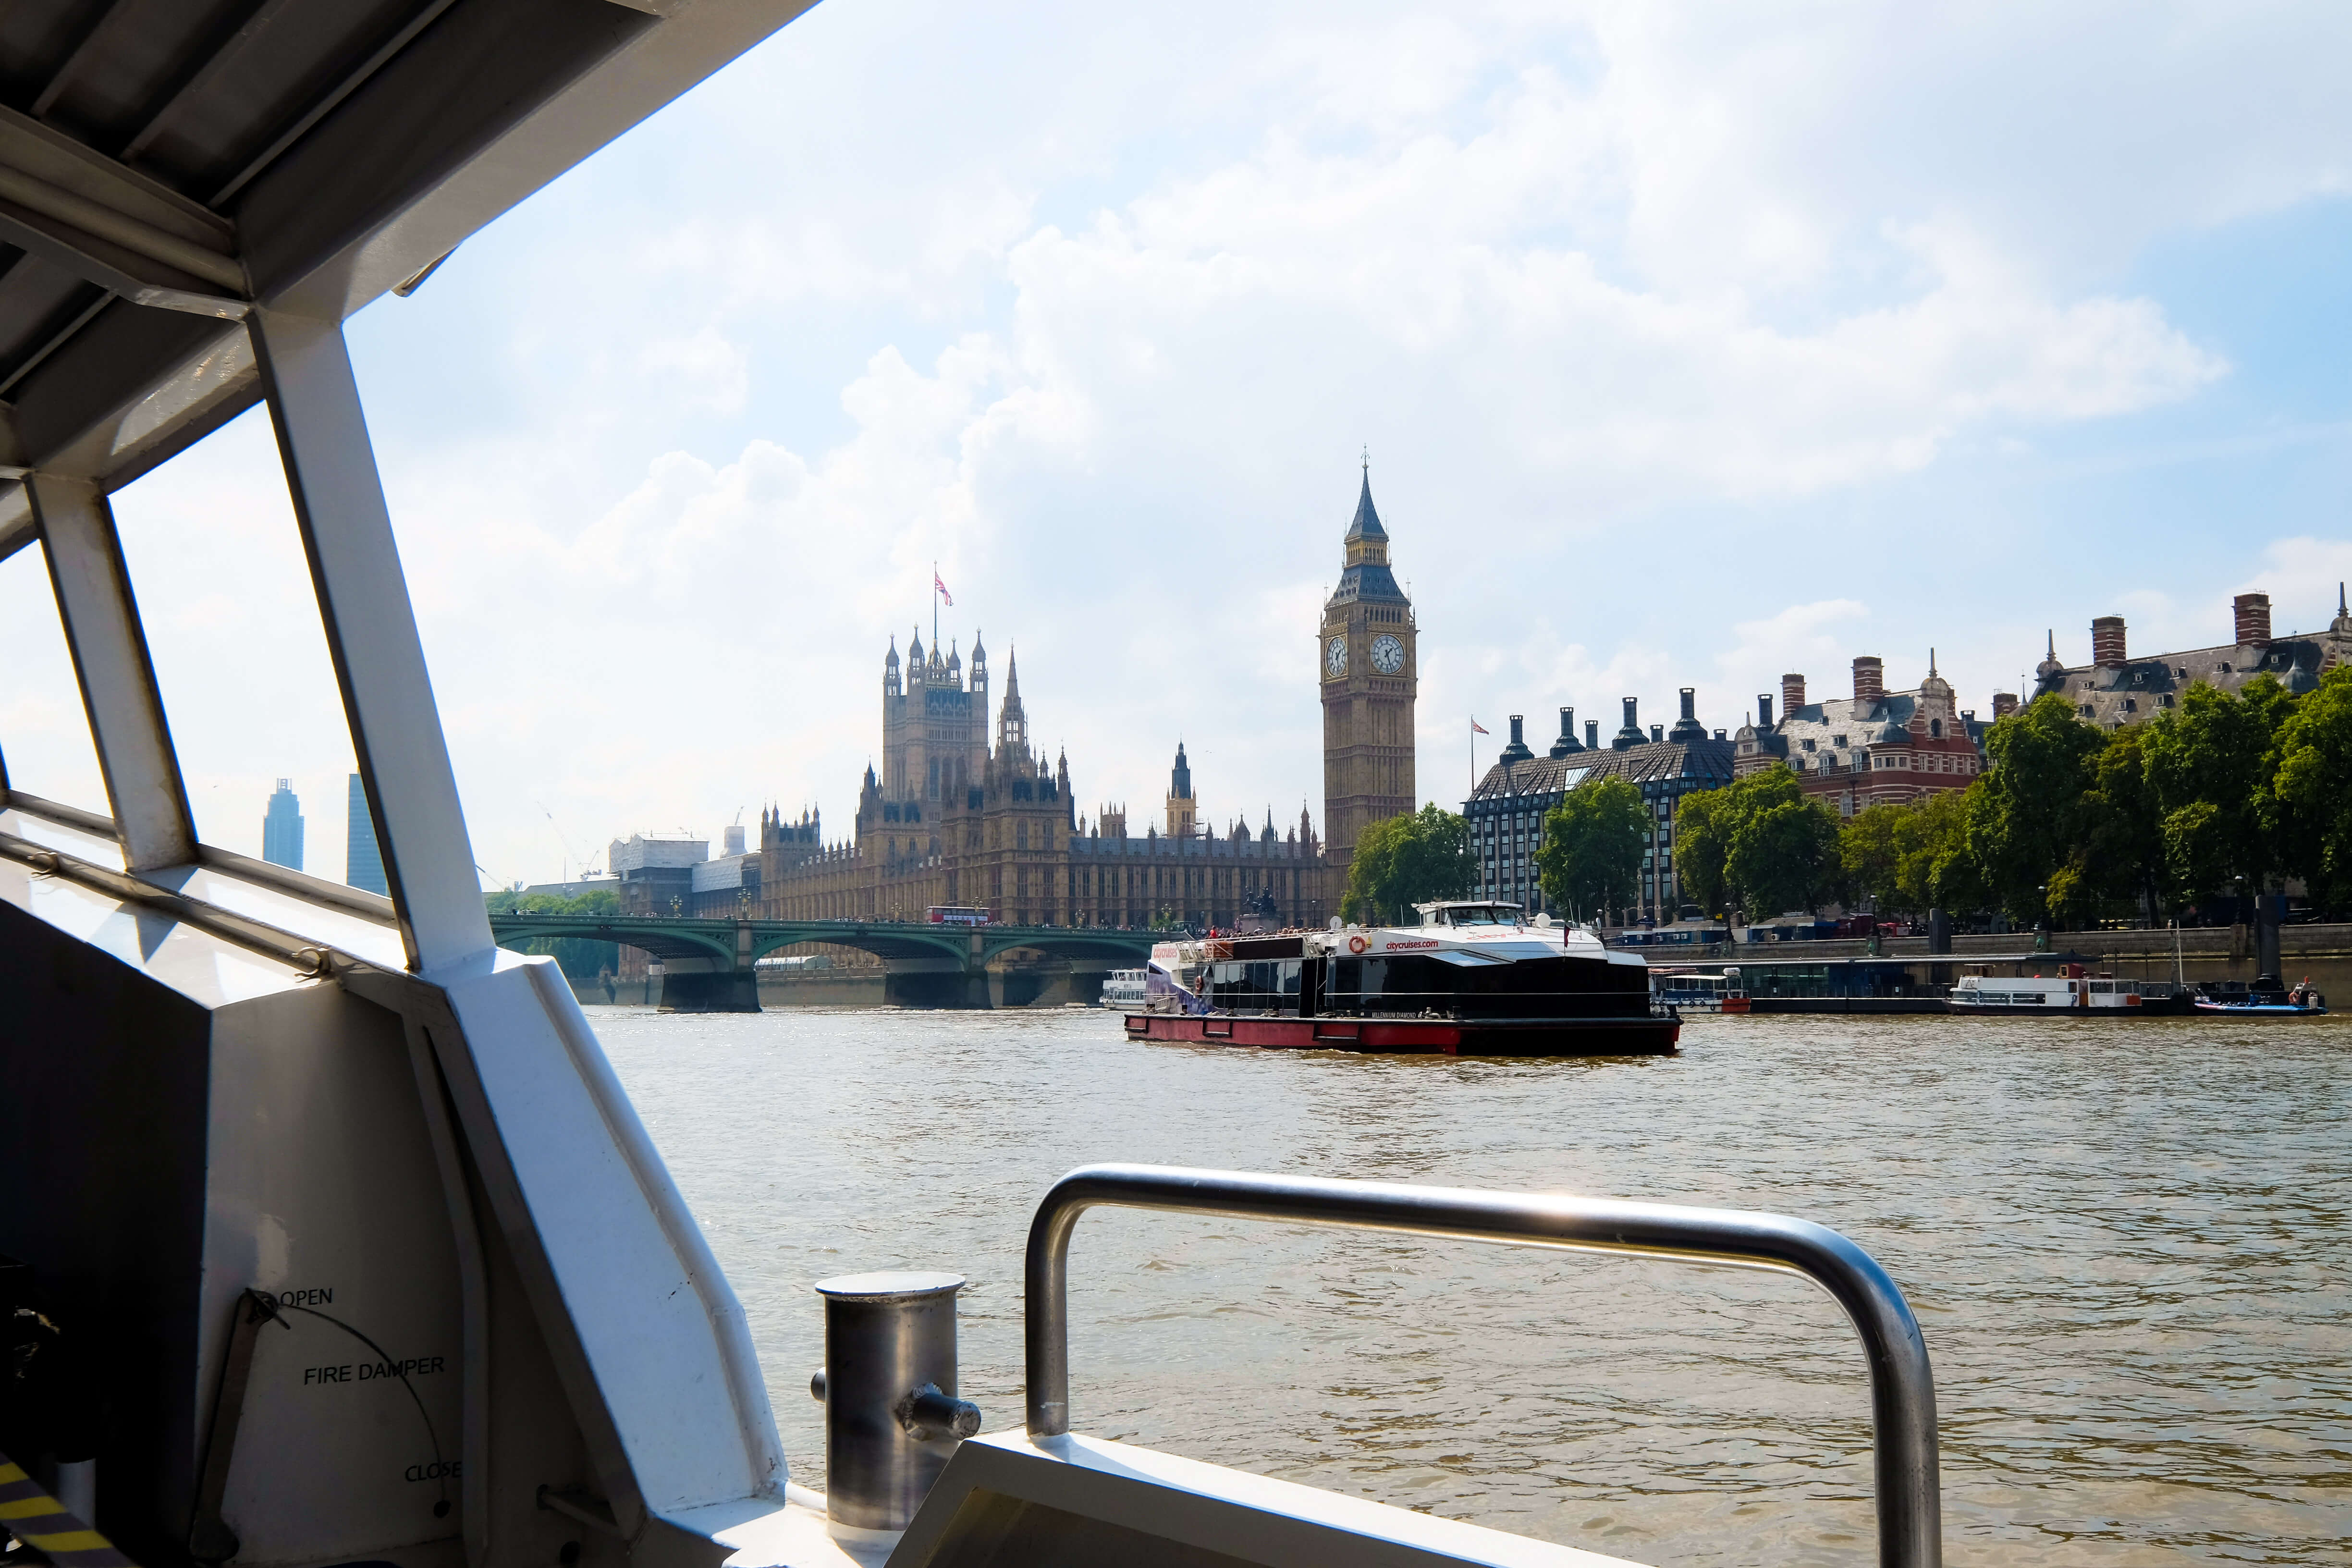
(1124, 989)
(2070, 992)
(1473, 978)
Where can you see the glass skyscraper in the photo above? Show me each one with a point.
(363, 861)
(281, 829)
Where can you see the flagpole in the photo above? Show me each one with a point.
(935, 603)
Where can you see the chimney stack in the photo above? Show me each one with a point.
(1566, 741)
(1657, 733)
(1517, 751)
(2108, 642)
(1792, 694)
(1869, 681)
(2004, 703)
(2253, 618)
(1593, 734)
(1763, 710)
(1631, 735)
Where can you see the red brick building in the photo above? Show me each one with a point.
(1876, 747)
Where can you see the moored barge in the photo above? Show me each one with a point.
(1474, 978)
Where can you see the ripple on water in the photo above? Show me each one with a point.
(2125, 1243)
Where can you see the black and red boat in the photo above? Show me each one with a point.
(1473, 979)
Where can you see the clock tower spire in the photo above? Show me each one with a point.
(1370, 676)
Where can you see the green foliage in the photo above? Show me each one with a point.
(2312, 792)
(579, 958)
(1913, 858)
(2209, 766)
(1590, 858)
(2026, 816)
(1700, 848)
(1870, 849)
(1407, 860)
(1785, 856)
(1760, 844)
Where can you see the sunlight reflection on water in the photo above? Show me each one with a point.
(2126, 1243)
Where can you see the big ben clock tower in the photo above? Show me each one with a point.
(1369, 674)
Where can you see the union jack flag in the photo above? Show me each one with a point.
(942, 589)
(1478, 729)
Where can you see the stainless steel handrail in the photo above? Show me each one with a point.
(1902, 1388)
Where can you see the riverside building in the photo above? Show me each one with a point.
(2114, 689)
(1507, 809)
(1875, 748)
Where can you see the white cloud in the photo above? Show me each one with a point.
(1667, 326)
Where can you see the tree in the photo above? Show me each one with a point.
(1785, 856)
(2209, 764)
(1939, 871)
(1730, 846)
(2025, 815)
(1913, 858)
(579, 957)
(2312, 792)
(1871, 850)
(2121, 857)
(1406, 860)
(1590, 859)
(1699, 850)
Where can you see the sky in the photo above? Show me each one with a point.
(1689, 344)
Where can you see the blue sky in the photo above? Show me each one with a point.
(1691, 346)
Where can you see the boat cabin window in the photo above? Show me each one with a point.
(1474, 915)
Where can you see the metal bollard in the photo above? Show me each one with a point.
(891, 1416)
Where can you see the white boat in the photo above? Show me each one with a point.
(1125, 990)
(2071, 993)
(1690, 991)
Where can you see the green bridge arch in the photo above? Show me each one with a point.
(712, 960)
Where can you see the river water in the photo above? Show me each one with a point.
(2128, 1245)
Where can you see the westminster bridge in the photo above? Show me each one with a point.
(707, 964)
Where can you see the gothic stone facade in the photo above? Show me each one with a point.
(949, 820)
(1370, 676)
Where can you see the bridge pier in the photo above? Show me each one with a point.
(712, 985)
(709, 991)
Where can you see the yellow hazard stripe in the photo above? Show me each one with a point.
(70, 1540)
(11, 1473)
(31, 1507)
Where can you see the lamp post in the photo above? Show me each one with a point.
(2041, 927)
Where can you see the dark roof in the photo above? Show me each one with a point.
(2123, 694)
(1707, 763)
(1367, 524)
(1368, 581)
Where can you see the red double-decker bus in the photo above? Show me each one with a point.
(957, 915)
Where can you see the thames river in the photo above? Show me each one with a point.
(2130, 1246)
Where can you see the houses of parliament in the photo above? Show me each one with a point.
(956, 817)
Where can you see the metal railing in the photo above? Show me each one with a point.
(1903, 1394)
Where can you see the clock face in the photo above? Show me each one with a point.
(1388, 654)
(1335, 657)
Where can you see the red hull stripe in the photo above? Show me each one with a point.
(1500, 1038)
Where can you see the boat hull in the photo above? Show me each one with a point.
(2146, 1008)
(1420, 1037)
